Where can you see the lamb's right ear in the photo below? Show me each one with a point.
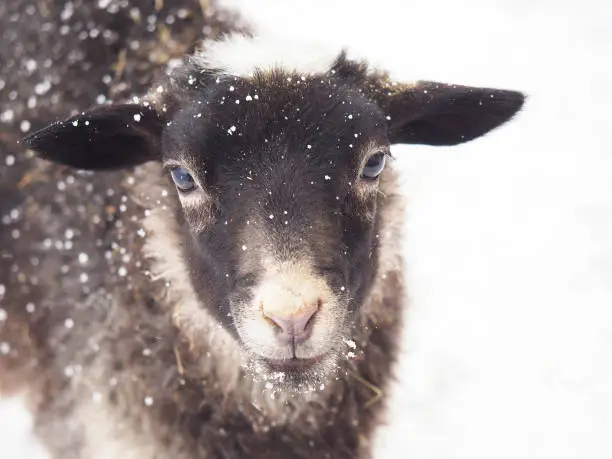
(106, 137)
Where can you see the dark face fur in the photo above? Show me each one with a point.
(278, 180)
(280, 221)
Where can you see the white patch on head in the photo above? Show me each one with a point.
(240, 55)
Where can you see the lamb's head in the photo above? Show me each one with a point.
(280, 177)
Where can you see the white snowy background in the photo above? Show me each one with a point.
(508, 348)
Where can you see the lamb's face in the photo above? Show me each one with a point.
(278, 177)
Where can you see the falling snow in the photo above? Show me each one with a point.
(459, 236)
(5, 348)
(7, 116)
(24, 126)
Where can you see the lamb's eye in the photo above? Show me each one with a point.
(374, 166)
(182, 179)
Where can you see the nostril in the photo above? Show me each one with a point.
(273, 319)
(310, 321)
(273, 322)
(304, 324)
(293, 325)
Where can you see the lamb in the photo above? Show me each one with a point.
(239, 293)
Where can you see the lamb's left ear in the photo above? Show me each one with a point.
(438, 114)
(106, 137)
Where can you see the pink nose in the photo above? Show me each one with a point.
(294, 327)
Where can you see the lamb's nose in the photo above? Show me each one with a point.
(292, 326)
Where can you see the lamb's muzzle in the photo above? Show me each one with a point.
(293, 322)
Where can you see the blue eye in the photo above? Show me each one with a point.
(374, 166)
(182, 179)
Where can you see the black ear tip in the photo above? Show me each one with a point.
(502, 105)
(33, 141)
(519, 97)
(37, 139)
(515, 100)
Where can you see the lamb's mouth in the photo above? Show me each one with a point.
(294, 364)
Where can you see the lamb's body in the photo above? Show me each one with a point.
(112, 317)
